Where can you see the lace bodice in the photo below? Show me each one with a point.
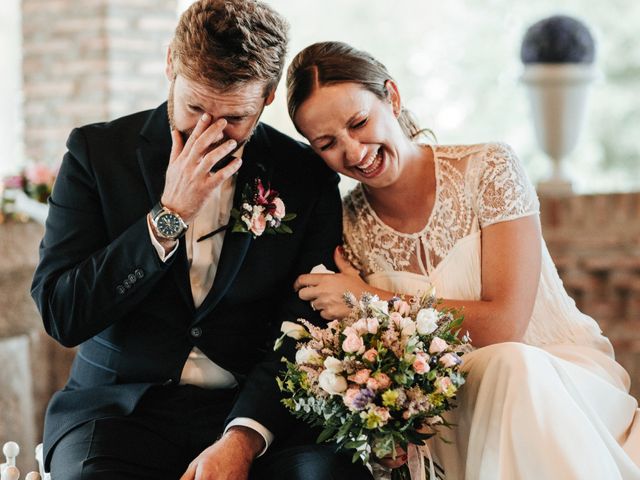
(476, 186)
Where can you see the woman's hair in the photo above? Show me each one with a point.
(226, 43)
(329, 63)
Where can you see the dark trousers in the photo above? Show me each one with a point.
(169, 428)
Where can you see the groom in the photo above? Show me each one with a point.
(173, 302)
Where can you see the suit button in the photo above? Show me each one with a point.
(126, 284)
(139, 272)
(120, 289)
(132, 278)
(196, 332)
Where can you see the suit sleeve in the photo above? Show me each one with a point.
(87, 279)
(260, 396)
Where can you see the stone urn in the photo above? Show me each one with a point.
(558, 55)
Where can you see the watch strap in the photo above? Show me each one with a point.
(155, 211)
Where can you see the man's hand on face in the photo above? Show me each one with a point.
(188, 180)
(229, 458)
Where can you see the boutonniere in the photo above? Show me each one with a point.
(262, 211)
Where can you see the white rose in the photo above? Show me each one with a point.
(294, 330)
(380, 305)
(332, 383)
(308, 355)
(427, 321)
(333, 365)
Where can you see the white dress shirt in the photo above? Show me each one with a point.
(203, 263)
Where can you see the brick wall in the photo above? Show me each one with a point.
(595, 243)
(87, 61)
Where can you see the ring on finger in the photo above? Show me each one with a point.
(313, 307)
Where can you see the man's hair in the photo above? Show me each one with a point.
(223, 44)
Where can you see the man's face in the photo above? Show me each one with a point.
(241, 107)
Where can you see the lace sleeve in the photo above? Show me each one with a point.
(349, 235)
(504, 191)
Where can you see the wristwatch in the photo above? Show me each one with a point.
(168, 224)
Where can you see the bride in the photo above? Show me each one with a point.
(544, 397)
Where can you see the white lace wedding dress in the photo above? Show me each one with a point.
(553, 407)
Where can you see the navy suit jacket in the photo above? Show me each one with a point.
(100, 285)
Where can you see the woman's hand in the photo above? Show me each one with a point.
(326, 291)
(390, 462)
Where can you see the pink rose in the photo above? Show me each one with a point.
(450, 360)
(421, 363)
(360, 326)
(372, 325)
(349, 397)
(353, 344)
(258, 224)
(280, 211)
(383, 413)
(39, 174)
(360, 377)
(373, 384)
(396, 318)
(370, 355)
(402, 307)
(437, 345)
(383, 380)
(443, 384)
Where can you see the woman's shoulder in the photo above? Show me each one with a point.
(481, 150)
(353, 203)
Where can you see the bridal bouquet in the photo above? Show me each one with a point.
(378, 379)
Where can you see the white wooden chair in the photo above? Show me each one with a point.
(8, 469)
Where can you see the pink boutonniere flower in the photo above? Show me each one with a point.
(262, 211)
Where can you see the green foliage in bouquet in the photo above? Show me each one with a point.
(378, 379)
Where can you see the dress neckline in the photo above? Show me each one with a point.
(436, 201)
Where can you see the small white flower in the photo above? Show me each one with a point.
(247, 207)
(427, 321)
(407, 327)
(332, 383)
(333, 364)
(308, 355)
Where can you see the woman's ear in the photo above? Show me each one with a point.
(393, 95)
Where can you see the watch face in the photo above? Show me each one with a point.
(169, 225)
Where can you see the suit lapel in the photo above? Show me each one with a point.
(153, 157)
(256, 164)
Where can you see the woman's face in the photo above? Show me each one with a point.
(356, 133)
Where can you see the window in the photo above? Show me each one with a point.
(11, 148)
